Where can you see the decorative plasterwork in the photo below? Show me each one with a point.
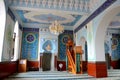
(72, 12)
(105, 5)
(49, 17)
(69, 5)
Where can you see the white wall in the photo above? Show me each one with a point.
(17, 44)
(79, 34)
(8, 39)
(81, 37)
(2, 25)
(20, 43)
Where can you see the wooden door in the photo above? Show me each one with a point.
(46, 61)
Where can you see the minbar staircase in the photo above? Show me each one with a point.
(74, 58)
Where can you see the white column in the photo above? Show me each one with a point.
(52, 62)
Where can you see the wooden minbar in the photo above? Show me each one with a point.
(74, 58)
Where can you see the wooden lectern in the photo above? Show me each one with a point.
(22, 65)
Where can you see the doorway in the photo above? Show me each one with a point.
(46, 61)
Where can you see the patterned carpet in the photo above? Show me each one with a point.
(56, 75)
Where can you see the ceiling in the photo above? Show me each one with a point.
(41, 13)
(115, 23)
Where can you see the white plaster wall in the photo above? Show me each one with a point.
(18, 40)
(81, 37)
(91, 42)
(20, 43)
(8, 39)
(79, 34)
(2, 25)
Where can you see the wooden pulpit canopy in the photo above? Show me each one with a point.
(69, 43)
(78, 49)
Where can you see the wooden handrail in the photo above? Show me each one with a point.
(72, 54)
(71, 61)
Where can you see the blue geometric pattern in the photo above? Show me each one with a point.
(44, 42)
(30, 38)
(48, 42)
(21, 14)
(30, 45)
(62, 44)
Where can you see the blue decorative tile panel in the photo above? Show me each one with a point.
(115, 46)
(48, 45)
(30, 45)
(63, 38)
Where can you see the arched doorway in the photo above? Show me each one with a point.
(104, 21)
(83, 43)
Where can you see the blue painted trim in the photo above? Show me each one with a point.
(115, 23)
(31, 29)
(104, 6)
(68, 31)
(11, 14)
(113, 28)
(20, 27)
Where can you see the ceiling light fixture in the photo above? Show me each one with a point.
(56, 28)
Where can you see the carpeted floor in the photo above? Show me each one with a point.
(56, 75)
